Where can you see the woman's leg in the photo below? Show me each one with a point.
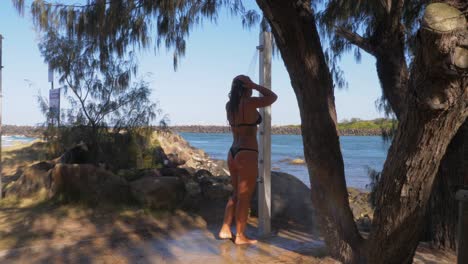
(247, 165)
(225, 232)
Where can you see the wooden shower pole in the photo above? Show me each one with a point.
(264, 169)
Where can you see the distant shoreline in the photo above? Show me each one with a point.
(275, 130)
(354, 127)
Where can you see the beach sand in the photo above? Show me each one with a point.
(36, 230)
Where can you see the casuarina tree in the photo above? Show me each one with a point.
(387, 30)
(433, 103)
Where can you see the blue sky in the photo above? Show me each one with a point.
(197, 92)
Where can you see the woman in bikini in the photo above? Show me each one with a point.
(243, 117)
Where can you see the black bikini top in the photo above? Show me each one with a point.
(259, 120)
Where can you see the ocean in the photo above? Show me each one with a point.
(11, 140)
(360, 153)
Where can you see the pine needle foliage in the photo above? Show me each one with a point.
(115, 26)
(101, 94)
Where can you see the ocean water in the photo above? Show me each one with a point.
(359, 154)
(11, 140)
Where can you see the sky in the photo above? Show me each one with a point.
(196, 93)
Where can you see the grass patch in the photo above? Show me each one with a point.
(355, 123)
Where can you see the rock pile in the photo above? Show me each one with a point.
(187, 177)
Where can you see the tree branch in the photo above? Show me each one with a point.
(396, 13)
(82, 103)
(355, 39)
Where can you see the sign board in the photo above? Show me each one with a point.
(54, 103)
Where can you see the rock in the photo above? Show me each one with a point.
(159, 193)
(192, 188)
(89, 183)
(78, 154)
(297, 162)
(174, 160)
(294, 161)
(193, 197)
(290, 200)
(177, 172)
(32, 179)
(186, 156)
(364, 223)
(219, 168)
(159, 155)
(135, 174)
(216, 190)
(202, 174)
(359, 203)
(213, 187)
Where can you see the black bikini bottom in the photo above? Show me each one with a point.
(234, 150)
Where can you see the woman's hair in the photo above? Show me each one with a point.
(237, 90)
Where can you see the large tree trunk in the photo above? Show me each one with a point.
(436, 98)
(436, 108)
(387, 45)
(442, 211)
(294, 28)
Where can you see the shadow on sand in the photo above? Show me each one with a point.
(47, 232)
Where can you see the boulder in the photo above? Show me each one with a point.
(213, 188)
(176, 172)
(297, 162)
(361, 208)
(202, 175)
(193, 196)
(78, 154)
(173, 160)
(135, 174)
(32, 179)
(89, 183)
(159, 155)
(216, 190)
(290, 200)
(159, 192)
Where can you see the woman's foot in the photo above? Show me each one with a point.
(243, 240)
(225, 233)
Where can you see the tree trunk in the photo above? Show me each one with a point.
(387, 45)
(294, 28)
(392, 70)
(442, 211)
(436, 99)
(436, 108)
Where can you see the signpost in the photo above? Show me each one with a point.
(54, 99)
(54, 104)
(264, 169)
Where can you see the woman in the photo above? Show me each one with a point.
(243, 156)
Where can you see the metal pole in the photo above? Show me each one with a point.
(1, 132)
(51, 121)
(264, 172)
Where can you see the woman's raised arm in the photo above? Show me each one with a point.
(268, 98)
